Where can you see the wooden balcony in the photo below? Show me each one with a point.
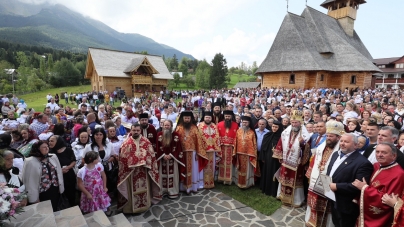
(141, 79)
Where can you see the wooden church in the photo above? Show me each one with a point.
(118, 70)
(319, 50)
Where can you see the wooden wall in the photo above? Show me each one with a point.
(111, 83)
(310, 79)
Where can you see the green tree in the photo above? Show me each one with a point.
(177, 79)
(184, 69)
(22, 59)
(254, 67)
(219, 72)
(202, 74)
(174, 62)
(42, 67)
(50, 63)
(65, 74)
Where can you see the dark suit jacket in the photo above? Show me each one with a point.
(354, 167)
(369, 150)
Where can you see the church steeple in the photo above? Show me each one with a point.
(344, 11)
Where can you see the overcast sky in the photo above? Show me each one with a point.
(242, 30)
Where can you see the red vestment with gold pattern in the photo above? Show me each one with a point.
(385, 180)
(399, 213)
(246, 154)
(227, 140)
(171, 171)
(191, 141)
(138, 178)
(211, 143)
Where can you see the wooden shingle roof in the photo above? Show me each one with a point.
(112, 63)
(315, 41)
(247, 85)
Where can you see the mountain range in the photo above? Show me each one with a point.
(59, 27)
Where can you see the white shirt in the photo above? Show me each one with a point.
(338, 162)
(53, 106)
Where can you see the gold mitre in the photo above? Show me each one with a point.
(335, 127)
(296, 115)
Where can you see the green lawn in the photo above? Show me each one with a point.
(252, 197)
(234, 79)
(38, 100)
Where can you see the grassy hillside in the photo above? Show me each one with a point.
(38, 100)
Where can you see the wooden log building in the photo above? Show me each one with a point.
(319, 50)
(134, 73)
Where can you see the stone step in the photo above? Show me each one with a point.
(119, 220)
(97, 219)
(35, 215)
(71, 217)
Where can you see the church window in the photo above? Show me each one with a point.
(321, 77)
(353, 79)
(292, 79)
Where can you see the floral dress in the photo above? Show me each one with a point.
(93, 183)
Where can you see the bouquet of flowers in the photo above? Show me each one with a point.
(10, 199)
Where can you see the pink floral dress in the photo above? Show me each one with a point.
(93, 183)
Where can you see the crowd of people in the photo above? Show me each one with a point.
(287, 142)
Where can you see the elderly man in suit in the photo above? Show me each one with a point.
(345, 167)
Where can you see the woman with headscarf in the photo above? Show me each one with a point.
(29, 138)
(67, 161)
(363, 143)
(269, 185)
(42, 175)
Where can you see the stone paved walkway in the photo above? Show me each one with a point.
(213, 208)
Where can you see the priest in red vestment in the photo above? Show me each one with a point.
(170, 159)
(387, 178)
(138, 178)
(290, 151)
(195, 157)
(148, 130)
(245, 151)
(227, 134)
(211, 143)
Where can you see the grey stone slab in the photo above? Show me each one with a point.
(279, 214)
(203, 203)
(225, 222)
(210, 218)
(155, 223)
(199, 217)
(156, 211)
(255, 225)
(279, 223)
(222, 196)
(261, 216)
(218, 207)
(147, 214)
(205, 192)
(209, 210)
(237, 204)
(267, 223)
(39, 214)
(166, 215)
(236, 216)
(191, 207)
(211, 225)
(246, 210)
(226, 205)
(192, 200)
(187, 225)
(295, 223)
(171, 223)
(174, 205)
(249, 216)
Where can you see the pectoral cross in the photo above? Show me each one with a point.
(287, 5)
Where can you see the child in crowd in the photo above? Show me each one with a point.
(92, 182)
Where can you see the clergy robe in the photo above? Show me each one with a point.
(384, 180)
(245, 150)
(399, 213)
(211, 143)
(227, 140)
(317, 204)
(195, 158)
(151, 134)
(172, 170)
(138, 178)
(289, 149)
(269, 184)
